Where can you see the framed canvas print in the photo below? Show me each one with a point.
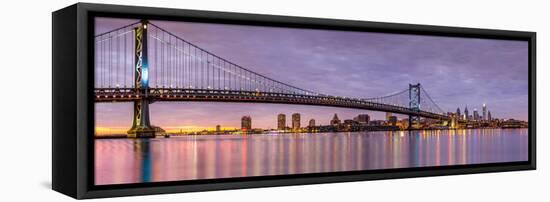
(154, 100)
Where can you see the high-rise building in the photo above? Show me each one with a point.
(362, 119)
(281, 122)
(246, 123)
(335, 121)
(218, 129)
(489, 115)
(311, 123)
(476, 115)
(466, 113)
(484, 112)
(296, 121)
(458, 112)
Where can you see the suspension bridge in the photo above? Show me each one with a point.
(144, 63)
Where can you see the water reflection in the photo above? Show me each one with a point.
(204, 157)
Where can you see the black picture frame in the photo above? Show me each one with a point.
(73, 110)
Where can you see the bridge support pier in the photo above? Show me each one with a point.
(141, 127)
(414, 105)
(414, 122)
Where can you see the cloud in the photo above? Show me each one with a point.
(455, 71)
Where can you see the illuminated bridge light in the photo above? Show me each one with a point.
(145, 75)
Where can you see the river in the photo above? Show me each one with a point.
(119, 161)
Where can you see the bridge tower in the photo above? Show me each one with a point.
(414, 104)
(141, 127)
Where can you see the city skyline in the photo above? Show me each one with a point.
(360, 65)
(275, 122)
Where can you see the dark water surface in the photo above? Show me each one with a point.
(221, 156)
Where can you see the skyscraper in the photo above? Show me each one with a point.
(466, 113)
(218, 129)
(281, 122)
(476, 115)
(458, 112)
(311, 123)
(484, 112)
(489, 116)
(246, 123)
(296, 121)
(335, 121)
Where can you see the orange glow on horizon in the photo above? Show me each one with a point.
(110, 130)
(102, 130)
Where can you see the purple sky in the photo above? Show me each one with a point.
(455, 72)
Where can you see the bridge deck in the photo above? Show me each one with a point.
(214, 95)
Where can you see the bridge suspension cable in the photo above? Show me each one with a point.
(399, 98)
(176, 64)
(114, 58)
(429, 104)
(126, 27)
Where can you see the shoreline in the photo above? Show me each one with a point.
(268, 133)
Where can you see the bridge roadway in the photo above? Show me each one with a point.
(216, 95)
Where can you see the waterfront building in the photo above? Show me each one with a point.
(403, 124)
(489, 116)
(362, 119)
(335, 121)
(296, 121)
(377, 123)
(458, 115)
(388, 115)
(512, 123)
(392, 120)
(351, 125)
(218, 129)
(281, 122)
(311, 123)
(246, 123)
